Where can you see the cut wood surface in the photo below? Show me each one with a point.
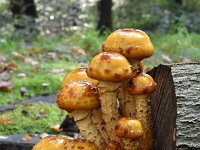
(176, 106)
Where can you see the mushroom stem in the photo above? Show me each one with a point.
(108, 98)
(87, 128)
(143, 114)
(100, 124)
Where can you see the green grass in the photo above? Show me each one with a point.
(31, 123)
(36, 51)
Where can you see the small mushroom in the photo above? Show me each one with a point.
(52, 143)
(129, 128)
(139, 87)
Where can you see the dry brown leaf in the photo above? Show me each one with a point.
(5, 85)
(77, 50)
(5, 121)
(56, 128)
(19, 56)
(41, 115)
(27, 137)
(56, 71)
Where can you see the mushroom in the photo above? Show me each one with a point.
(80, 98)
(110, 69)
(130, 130)
(52, 143)
(135, 45)
(140, 86)
(80, 145)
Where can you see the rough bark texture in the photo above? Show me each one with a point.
(178, 89)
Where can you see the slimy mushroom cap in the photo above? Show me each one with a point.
(132, 43)
(51, 143)
(141, 84)
(109, 66)
(78, 96)
(76, 76)
(129, 128)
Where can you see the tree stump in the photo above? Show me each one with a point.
(175, 106)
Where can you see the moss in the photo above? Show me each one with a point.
(24, 119)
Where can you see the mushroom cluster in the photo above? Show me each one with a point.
(109, 99)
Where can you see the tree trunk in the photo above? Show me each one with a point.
(179, 2)
(175, 106)
(105, 15)
(21, 9)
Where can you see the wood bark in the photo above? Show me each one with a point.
(175, 106)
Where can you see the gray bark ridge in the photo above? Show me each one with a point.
(186, 78)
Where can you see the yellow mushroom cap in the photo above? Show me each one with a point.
(109, 66)
(129, 128)
(78, 96)
(132, 43)
(80, 145)
(113, 146)
(52, 143)
(77, 75)
(142, 84)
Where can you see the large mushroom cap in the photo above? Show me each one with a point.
(76, 76)
(109, 66)
(78, 96)
(51, 143)
(132, 43)
(142, 84)
(80, 145)
(129, 128)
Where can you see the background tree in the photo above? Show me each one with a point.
(180, 2)
(105, 15)
(23, 11)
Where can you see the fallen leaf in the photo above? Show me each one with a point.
(43, 135)
(2, 58)
(27, 137)
(5, 86)
(18, 56)
(23, 91)
(77, 50)
(21, 75)
(56, 128)
(166, 58)
(53, 55)
(5, 121)
(56, 71)
(41, 115)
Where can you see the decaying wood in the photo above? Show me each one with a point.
(175, 106)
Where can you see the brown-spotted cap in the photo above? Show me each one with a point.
(52, 143)
(141, 84)
(132, 43)
(80, 145)
(76, 76)
(109, 66)
(78, 96)
(129, 128)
